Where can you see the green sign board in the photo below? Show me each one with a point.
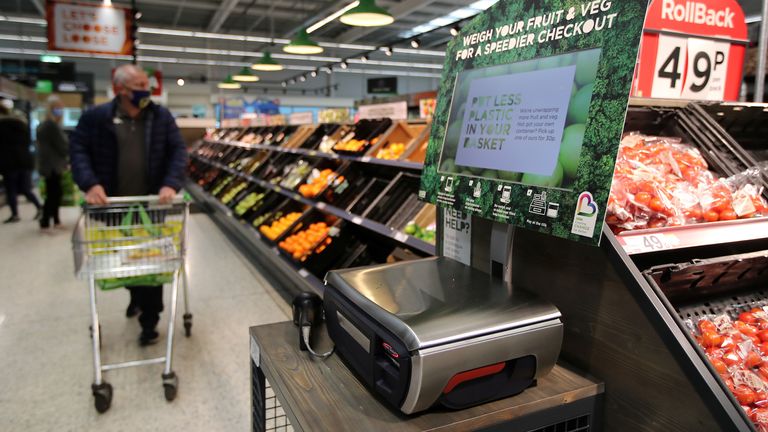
(530, 114)
(44, 86)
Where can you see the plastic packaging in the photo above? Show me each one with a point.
(660, 182)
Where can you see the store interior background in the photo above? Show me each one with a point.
(22, 36)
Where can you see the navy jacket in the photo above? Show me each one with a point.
(94, 151)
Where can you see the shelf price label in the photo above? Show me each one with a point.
(401, 237)
(690, 68)
(648, 243)
(693, 50)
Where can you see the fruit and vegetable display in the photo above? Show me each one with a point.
(738, 350)
(247, 203)
(426, 234)
(277, 227)
(661, 182)
(314, 239)
(317, 182)
(392, 151)
(222, 184)
(295, 173)
(232, 192)
(352, 145)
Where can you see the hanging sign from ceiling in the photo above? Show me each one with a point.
(530, 114)
(692, 50)
(99, 29)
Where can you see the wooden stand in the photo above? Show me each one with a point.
(323, 395)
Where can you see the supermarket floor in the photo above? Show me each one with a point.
(45, 354)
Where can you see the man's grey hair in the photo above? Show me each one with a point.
(124, 73)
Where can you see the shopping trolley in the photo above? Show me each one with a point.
(130, 240)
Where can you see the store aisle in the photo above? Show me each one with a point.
(45, 355)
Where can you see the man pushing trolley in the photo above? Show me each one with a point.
(129, 158)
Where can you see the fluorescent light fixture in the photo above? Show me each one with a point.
(332, 17)
(48, 58)
(367, 14)
(245, 75)
(456, 15)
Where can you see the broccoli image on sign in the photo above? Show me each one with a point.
(530, 113)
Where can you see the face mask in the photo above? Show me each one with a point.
(140, 98)
(57, 112)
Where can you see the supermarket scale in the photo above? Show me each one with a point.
(436, 331)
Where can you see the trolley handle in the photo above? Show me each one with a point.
(177, 199)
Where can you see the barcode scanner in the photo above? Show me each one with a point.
(307, 312)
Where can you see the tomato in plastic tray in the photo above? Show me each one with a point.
(738, 351)
(661, 182)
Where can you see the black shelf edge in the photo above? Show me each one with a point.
(253, 238)
(376, 227)
(314, 153)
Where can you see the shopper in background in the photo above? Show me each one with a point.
(16, 161)
(52, 155)
(129, 147)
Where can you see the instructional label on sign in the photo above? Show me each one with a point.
(457, 236)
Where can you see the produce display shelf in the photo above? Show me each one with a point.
(689, 236)
(402, 164)
(376, 227)
(253, 239)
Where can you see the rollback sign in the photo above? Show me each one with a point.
(692, 50)
(530, 113)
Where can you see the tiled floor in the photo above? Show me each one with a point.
(45, 354)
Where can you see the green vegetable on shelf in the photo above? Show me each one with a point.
(426, 234)
(248, 202)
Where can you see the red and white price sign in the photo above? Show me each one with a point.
(692, 50)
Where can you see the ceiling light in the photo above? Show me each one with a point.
(302, 78)
(267, 64)
(313, 73)
(364, 59)
(331, 17)
(291, 81)
(284, 84)
(343, 65)
(455, 30)
(138, 15)
(229, 84)
(388, 51)
(367, 14)
(302, 44)
(180, 82)
(245, 75)
(415, 43)
(328, 69)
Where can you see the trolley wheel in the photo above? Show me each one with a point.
(102, 396)
(187, 324)
(170, 386)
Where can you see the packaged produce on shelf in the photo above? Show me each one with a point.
(249, 202)
(326, 144)
(662, 182)
(317, 182)
(423, 233)
(392, 151)
(295, 173)
(219, 187)
(279, 226)
(352, 145)
(314, 239)
(738, 351)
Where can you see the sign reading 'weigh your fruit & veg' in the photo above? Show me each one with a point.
(530, 114)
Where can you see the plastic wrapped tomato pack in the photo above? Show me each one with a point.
(738, 351)
(660, 182)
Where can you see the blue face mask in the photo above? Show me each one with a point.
(140, 98)
(57, 112)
